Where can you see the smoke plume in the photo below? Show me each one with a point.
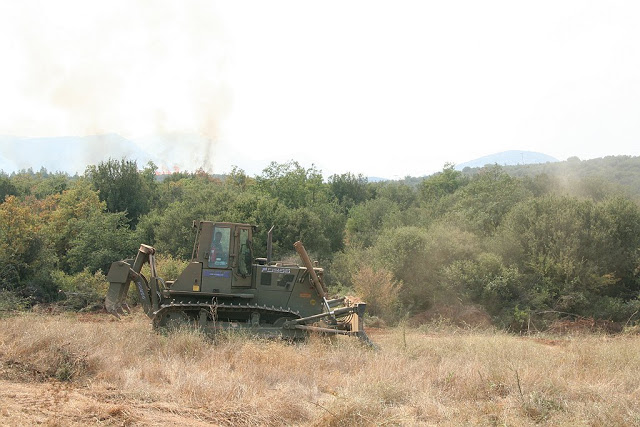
(151, 72)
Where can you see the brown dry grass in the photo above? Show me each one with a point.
(83, 370)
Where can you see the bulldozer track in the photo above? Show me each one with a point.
(213, 308)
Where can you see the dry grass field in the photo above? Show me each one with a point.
(72, 370)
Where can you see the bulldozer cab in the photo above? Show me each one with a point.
(225, 251)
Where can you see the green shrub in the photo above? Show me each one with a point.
(10, 302)
(168, 267)
(81, 291)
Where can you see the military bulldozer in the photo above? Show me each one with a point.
(225, 287)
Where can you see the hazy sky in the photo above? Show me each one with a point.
(382, 88)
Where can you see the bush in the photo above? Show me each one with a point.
(81, 291)
(10, 302)
(379, 290)
(101, 239)
(167, 267)
(419, 257)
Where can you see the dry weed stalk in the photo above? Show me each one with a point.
(122, 373)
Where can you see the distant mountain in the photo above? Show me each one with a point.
(69, 154)
(5, 164)
(508, 158)
(376, 179)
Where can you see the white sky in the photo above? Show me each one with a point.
(382, 88)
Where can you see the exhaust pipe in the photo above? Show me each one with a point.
(269, 244)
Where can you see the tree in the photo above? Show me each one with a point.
(441, 184)
(349, 189)
(49, 184)
(574, 252)
(122, 188)
(486, 280)
(482, 204)
(366, 221)
(403, 195)
(79, 203)
(25, 258)
(292, 184)
(237, 178)
(6, 187)
(418, 258)
(101, 239)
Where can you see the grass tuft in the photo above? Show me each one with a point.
(85, 369)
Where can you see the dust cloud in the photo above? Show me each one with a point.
(153, 73)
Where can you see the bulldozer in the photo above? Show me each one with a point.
(225, 288)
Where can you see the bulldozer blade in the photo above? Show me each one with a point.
(120, 276)
(114, 299)
(119, 279)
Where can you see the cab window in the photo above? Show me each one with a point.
(219, 254)
(244, 260)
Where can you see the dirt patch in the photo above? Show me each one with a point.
(61, 404)
(458, 314)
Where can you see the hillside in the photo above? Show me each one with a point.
(506, 158)
(611, 173)
(622, 169)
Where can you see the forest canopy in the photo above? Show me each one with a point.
(520, 242)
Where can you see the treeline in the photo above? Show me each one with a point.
(597, 177)
(525, 248)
